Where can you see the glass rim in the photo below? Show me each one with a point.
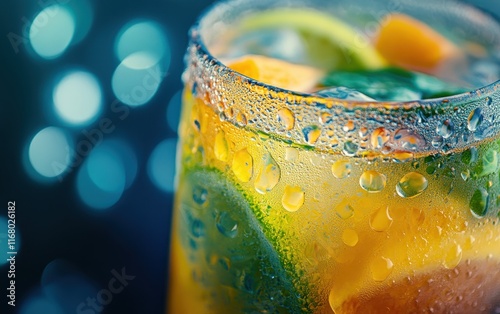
(195, 37)
(474, 96)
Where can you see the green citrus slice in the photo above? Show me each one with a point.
(232, 258)
(330, 42)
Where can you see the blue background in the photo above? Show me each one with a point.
(71, 242)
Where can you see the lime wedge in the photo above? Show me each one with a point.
(234, 261)
(331, 44)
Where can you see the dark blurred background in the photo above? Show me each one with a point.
(90, 99)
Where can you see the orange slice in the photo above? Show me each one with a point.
(278, 73)
(410, 43)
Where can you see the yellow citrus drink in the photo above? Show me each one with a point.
(294, 198)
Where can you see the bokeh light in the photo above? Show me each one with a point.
(84, 16)
(101, 180)
(174, 111)
(65, 284)
(109, 169)
(37, 304)
(144, 53)
(137, 79)
(4, 238)
(107, 174)
(146, 36)
(50, 152)
(77, 98)
(127, 156)
(161, 165)
(51, 31)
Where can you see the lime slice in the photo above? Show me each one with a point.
(331, 43)
(227, 249)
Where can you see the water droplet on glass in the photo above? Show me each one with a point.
(469, 242)
(402, 156)
(246, 282)
(350, 149)
(363, 132)
(226, 225)
(474, 120)
(407, 139)
(194, 89)
(197, 124)
(381, 268)
(381, 219)
(241, 119)
(453, 257)
(372, 181)
(311, 134)
(344, 211)
(291, 154)
(350, 237)
(411, 185)
(268, 176)
(199, 195)
(445, 128)
(379, 137)
(485, 130)
(316, 160)
(243, 165)
(224, 262)
(286, 118)
(437, 141)
(221, 147)
(197, 228)
(341, 169)
(293, 198)
(192, 244)
(349, 126)
(334, 142)
(325, 118)
(479, 203)
(229, 113)
(465, 174)
(488, 164)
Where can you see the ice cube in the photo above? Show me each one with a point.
(484, 72)
(343, 93)
(278, 43)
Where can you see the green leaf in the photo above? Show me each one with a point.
(392, 84)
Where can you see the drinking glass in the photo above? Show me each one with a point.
(291, 202)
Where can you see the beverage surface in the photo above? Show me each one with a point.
(264, 224)
(399, 59)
